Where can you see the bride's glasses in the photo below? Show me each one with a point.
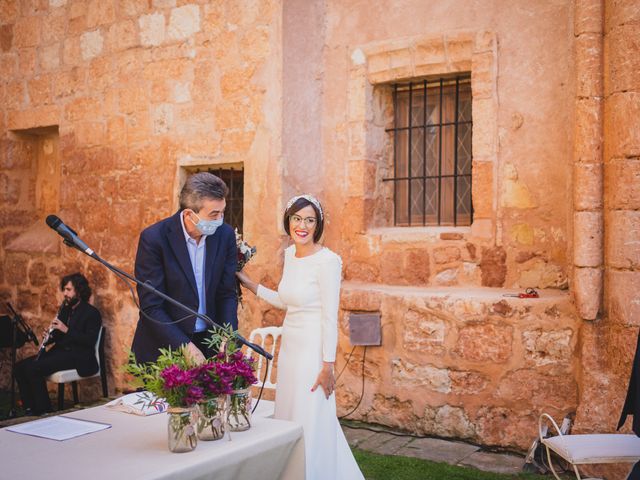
(308, 221)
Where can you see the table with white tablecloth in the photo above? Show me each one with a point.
(135, 447)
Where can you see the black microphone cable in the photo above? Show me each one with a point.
(364, 357)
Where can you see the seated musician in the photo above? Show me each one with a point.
(73, 334)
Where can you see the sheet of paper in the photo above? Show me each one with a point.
(58, 428)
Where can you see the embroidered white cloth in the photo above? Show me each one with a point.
(139, 403)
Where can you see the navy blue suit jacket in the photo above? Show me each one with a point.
(163, 261)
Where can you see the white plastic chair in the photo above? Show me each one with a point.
(266, 407)
(589, 448)
(264, 333)
(61, 377)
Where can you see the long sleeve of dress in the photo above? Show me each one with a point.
(329, 278)
(270, 296)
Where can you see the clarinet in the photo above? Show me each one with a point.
(46, 340)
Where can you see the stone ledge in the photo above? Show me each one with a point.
(476, 293)
(413, 234)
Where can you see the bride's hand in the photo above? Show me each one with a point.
(326, 380)
(246, 281)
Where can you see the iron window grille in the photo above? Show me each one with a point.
(432, 128)
(234, 178)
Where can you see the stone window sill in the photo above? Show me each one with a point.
(412, 234)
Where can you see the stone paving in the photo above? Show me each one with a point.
(433, 449)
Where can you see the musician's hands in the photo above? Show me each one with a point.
(325, 379)
(195, 356)
(59, 325)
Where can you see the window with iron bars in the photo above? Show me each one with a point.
(431, 133)
(234, 178)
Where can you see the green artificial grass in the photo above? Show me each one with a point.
(386, 467)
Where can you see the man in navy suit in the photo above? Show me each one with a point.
(192, 257)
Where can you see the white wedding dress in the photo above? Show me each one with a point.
(310, 293)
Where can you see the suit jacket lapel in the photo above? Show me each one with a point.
(177, 242)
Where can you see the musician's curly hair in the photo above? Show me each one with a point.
(80, 284)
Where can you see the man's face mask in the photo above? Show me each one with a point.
(207, 227)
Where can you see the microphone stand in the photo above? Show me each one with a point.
(256, 348)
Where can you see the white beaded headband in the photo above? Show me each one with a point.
(308, 197)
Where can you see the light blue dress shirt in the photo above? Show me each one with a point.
(197, 254)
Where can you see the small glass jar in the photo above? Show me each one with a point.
(239, 411)
(210, 423)
(181, 429)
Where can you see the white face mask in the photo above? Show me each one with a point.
(208, 227)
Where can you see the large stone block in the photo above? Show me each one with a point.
(482, 190)
(620, 12)
(91, 44)
(183, 22)
(587, 143)
(622, 184)
(485, 342)
(6, 37)
(533, 389)
(390, 410)
(404, 267)
(50, 57)
(84, 108)
(122, 35)
(407, 374)
(587, 291)
(588, 186)
(497, 425)
(621, 288)
(623, 239)
(27, 61)
(100, 12)
(55, 28)
(483, 75)
(447, 421)
(152, 29)
(589, 57)
(622, 65)
(548, 347)
(468, 383)
(621, 109)
(26, 32)
(588, 17)
(493, 266)
(587, 239)
(424, 333)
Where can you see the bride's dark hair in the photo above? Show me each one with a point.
(295, 208)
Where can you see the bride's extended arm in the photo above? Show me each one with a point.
(263, 292)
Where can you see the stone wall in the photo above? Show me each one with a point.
(462, 363)
(609, 342)
(106, 104)
(132, 94)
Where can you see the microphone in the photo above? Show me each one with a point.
(70, 237)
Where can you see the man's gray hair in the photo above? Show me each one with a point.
(200, 186)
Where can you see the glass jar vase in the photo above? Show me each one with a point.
(239, 410)
(181, 431)
(210, 423)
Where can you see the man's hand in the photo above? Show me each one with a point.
(194, 355)
(59, 325)
(325, 379)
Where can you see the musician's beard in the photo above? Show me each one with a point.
(71, 302)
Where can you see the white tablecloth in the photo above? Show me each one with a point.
(136, 448)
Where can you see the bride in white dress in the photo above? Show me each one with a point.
(310, 293)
